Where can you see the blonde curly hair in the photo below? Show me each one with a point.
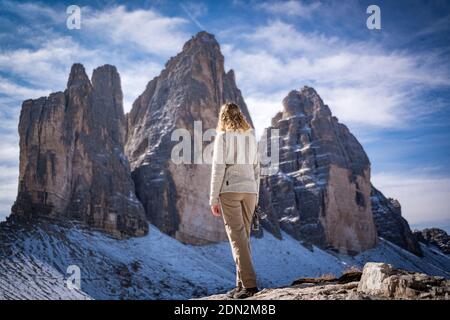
(231, 118)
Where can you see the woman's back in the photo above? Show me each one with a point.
(238, 152)
(235, 166)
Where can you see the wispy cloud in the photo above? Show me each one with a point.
(46, 66)
(8, 188)
(194, 11)
(9, 149)
(35, 11)
(15, 91)
(290, 8)
(284, 39)
(113, 35)
(145, 30)
(442, 24)
(134, 77)
(424, 198)
(363, 83)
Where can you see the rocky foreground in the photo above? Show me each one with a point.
(376, 281)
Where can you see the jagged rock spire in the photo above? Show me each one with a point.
(322, 193)
(191, 88)
(72, 165)
(77, 75)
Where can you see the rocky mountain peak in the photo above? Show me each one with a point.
(319, 159)
(106, 78)
(202, 40)
(231, 75)
(108, 101)
(305, 101)
(200, 60)
(72, 161)
(435, 237)
(321, 194)
(77, 76)
(192, 87)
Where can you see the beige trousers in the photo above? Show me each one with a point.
(237, 213)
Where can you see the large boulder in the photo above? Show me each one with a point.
(72, 161)
(381, 279)
(321, 193)
(192, 87)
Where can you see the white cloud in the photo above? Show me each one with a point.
(35, 11)
(9, 150)
(47, 66)
(192, 17)
(439, 25)
(15, 91)
(118, 33)
(261, 107)
(8, 188)
(58, 55)
(361, 82)
(361, 105)
(283, 38)
(194, 10)
(134, 78)
(8, 125)
(146, 29)
(290, 8)
(424, 198)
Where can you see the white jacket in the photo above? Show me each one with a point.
(235, 164)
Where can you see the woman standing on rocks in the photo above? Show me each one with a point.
(235, 189)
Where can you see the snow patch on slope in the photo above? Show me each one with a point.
(33, 264)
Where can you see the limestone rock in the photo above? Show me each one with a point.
(381, 279)
(72, 161)
(435, 237)
(192, 87)
(321, 194)
(390, 224)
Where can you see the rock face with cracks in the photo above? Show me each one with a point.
(321, 193)
(72, 161)
(192, 87)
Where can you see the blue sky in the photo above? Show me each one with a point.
(391, 87)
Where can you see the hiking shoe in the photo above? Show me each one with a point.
(230, 294)
(245, 293)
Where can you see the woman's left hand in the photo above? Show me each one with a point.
(215, 209)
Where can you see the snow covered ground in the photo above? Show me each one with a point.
(33, 264)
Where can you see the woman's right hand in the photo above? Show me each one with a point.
(215, 209)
